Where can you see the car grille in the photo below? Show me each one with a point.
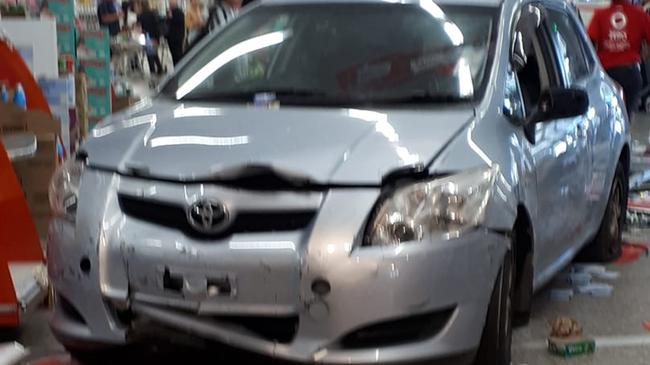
(398, 331)
(174, 216)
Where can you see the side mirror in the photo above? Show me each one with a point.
(557, 103)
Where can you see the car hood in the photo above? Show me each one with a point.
(197, 141)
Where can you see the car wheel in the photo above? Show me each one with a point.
(523, 296)
(496, 341)
(607, 244)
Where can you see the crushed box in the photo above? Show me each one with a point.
(34, 173)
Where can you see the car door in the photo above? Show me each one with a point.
(557, 148)
(576, 72)
(598, 121)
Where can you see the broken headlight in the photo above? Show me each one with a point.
(64, 188)
(438, 208)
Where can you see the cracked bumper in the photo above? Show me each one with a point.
(370, 287)
(269, 277)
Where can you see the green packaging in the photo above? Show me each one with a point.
(571, 347)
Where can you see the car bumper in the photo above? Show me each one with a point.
(109, 288)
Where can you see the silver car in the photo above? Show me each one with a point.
(347, 182)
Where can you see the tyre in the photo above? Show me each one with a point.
(607, 244)
(523, 296)
(496, 340)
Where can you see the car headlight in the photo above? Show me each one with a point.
(438, 208)
(64, 188)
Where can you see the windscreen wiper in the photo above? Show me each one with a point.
(424, 97)
(252, 94)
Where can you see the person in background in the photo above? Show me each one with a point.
(109, 16)
(222, 13)
(148, 21)
(194, 20)
(126, 6)
(175, 31)
(618, 32)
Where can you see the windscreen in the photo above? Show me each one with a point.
(343, 54)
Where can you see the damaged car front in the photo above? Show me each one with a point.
(307, 228)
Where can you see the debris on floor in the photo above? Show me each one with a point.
(646, 325)
(567, 339)
(594, 271)
(599, 290)
(581, 278)
(561, 295)
(631, 252)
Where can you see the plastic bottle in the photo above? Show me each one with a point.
(4, 94)
(19, 97)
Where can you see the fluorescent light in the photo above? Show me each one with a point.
(112, 127)
(238, 50)
(465, 82)
(432, 9)
(183, 112)
(454, 33)
(197, 140)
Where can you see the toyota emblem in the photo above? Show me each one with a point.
(208, 216)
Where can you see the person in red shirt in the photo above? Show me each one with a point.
(617, 33)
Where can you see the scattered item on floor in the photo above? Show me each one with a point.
(564, 327)
(594, 271)
(588, 268)
(599, 290)
(646, 325)
(607, 275)
(567, 339)
(579, 278)
(561, 295)
(631, 252)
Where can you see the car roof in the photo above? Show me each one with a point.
(492, 3)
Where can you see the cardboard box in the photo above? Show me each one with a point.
(59, 92)
(60, 96)
(97, 71)
(63, 10)
(120, 103)
(99, 103)
(65, 39)
(93, 45)
(34, 174)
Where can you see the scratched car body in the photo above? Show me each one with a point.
(346, 182)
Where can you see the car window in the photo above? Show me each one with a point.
(539, 71)
(568, 45)
(352, 53)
